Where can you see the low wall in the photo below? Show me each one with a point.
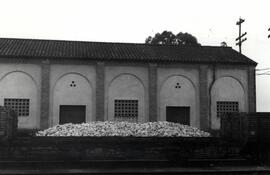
(116, 148)
(246, 127)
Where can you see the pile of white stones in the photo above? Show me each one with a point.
(124, 129)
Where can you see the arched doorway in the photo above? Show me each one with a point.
(72, 99)
(178, 101)
(18, 90)
(126, 99)
(227, 95)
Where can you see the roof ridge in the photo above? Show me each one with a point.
(108, 42)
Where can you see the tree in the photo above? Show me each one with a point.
(168, 38)
(223, 44)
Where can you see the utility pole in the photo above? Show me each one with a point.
(239, 39)
(269, 34)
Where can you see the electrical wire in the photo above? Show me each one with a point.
(262, 69)
(263, 74)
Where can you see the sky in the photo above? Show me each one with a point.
(210, 21)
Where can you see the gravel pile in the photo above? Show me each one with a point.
(107, 128)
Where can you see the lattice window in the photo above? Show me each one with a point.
(227, 107)
(21, 106)
(126, 110)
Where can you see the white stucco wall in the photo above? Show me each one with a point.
(122, 82)
(62, 93)
(187, 95)
(22, 81)
(126, 82)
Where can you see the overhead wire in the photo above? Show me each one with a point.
(263, 74)
(263, 71)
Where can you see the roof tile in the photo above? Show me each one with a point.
(13, 47)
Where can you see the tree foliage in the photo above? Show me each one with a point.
(168, 38)
(223, 44)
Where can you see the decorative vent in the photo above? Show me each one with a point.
(224, 107)
(21, 106)
(126, 110)
(72, 84)
(177, 86)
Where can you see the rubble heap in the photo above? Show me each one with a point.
(124, 129)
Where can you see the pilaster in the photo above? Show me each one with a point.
(204, 98)
(100, 91)
(152, 79)
(251, 89)
(45, 94)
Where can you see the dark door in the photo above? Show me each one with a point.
(178, 114)
(72, 114)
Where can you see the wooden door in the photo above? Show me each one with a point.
(178, 114)
(72, 114)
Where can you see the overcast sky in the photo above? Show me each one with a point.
(211, 21)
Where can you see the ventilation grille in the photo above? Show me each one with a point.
(126, 110)
(21, 106)
(224, 107)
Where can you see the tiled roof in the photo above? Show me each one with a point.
(33, 48)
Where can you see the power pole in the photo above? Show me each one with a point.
(239, 39)
(269, 34)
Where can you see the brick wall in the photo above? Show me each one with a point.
(116, 148)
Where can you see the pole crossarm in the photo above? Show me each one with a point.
(241, 41)
(241, 36)
(240, 21)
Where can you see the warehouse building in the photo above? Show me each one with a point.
(50, 82)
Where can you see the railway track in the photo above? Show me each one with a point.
(131, 167)
(150, 171)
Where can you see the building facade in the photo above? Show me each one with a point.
(51, 82)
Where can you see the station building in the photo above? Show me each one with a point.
(50, 82)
